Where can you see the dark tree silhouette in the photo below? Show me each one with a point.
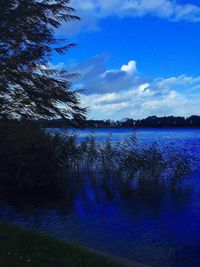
(29, 88)
(149, 122)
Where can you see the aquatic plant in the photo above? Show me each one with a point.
(126, 165)
(34, 160)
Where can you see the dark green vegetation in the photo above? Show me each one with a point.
(31, 160)
(35, 161)
(29, 86)
(150, 122)
(20, 248)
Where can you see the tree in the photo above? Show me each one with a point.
(29, 88)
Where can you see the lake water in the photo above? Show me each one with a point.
(159, 230)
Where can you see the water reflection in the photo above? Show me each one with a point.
(148, 227)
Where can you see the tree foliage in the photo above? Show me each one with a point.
(29, 88)
(31, 160)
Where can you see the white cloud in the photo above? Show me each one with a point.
(133, 104)
(143, 87)
(130, 68)
(91, 11)
(97, 78)
(120, 93)
(175, 81)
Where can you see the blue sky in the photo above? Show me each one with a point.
(136, 58)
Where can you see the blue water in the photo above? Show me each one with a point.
(157, 230)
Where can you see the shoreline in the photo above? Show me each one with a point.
(21, 247)
(120, 260)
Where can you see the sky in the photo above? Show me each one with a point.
(137, 58)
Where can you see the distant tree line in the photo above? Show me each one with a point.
(163, 122)
(149, 122)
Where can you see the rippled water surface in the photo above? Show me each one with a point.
(158, 230)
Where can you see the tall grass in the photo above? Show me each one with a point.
(34, 160)
(126, 165)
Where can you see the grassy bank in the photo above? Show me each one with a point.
(21, 248)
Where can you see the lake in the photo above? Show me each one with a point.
(160, 230)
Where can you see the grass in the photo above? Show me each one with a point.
(22, 248)
(34, 161)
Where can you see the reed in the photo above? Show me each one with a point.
(33, 160)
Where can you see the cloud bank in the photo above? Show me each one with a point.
(120, 93)
(92, 11)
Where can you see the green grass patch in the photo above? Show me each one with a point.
(22, 248)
